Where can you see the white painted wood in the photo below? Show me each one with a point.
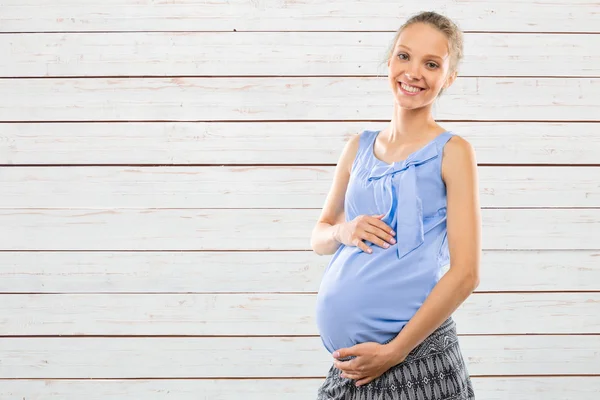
(264, 208)
(330, 15)
(539, 187)
(296, 271)
(261, 229)
(274, 142)
(271, 314)
(247, 99)
(489, 388)
(537, 388)
(281, 53)
(264, 187)
(181, 187)
(289, 357)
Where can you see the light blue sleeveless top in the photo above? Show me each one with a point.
(370, 297)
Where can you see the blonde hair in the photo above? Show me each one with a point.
(444, 25)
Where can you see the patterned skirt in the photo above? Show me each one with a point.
(434, 370)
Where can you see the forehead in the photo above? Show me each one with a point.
(423, 39)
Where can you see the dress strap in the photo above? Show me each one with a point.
(363, 152)
(442, 139)
(366, 142)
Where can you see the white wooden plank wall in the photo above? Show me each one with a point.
(163, 164)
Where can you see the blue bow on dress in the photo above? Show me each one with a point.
(409, 210)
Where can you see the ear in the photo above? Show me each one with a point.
(450, 80)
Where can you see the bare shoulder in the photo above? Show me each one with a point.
(458, 146)
(459, 158)
(353, 142)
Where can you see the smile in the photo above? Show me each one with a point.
(408, 89)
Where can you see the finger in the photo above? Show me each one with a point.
(364, 381)
(382, 234)
(350, 371)
(375, 240)
(362, 245)
(347, 366)
(344, 352)
(353, 376)
(381, 225)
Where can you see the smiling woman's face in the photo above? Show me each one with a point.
(419, 66)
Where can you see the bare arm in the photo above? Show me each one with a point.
(459, 171)
(324, 238)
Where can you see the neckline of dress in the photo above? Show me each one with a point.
(372, 148)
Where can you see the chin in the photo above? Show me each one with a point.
(410, 104)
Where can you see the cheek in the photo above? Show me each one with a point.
(435, 79)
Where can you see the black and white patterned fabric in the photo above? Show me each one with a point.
(434, 370)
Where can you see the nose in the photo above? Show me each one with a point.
(412, 76)
(412, 73)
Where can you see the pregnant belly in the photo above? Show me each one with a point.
(370, 297)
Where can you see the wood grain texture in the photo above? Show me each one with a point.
(280, 54)
(269, 15)
(274, 142)
(288, 98)
(489, 388)
(289, 357)
(203, 270)
(261, 229)
(272, 314)
(262, 272)
(265, 187)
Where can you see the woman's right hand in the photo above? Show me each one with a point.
(366, 227)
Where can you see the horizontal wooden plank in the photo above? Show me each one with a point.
(274, 142)
(264, 187)
(280, 53)
(261, 229)
(330, 15)
(271, 314)
(285, 98)
(260, 272)
(277, 357)
(489, 388)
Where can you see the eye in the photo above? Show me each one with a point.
(402, 54)
(432, 65)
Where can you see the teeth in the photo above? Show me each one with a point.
(411, 89)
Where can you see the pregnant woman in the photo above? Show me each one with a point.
(403, 205)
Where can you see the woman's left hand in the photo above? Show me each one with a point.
(372, 360)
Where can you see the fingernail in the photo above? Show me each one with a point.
(392, 232)
(393, 241)
(336, 354)
(386, 245)
(369, 251)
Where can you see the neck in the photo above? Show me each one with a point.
(411, 125)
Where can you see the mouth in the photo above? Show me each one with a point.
(409, 89)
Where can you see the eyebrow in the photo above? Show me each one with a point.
(427, 55)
